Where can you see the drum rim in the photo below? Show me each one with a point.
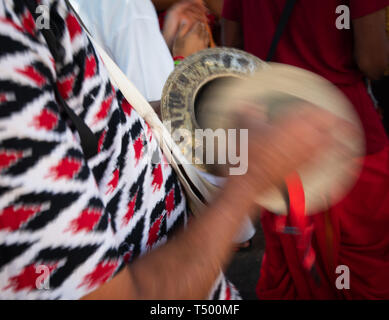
(188, 93)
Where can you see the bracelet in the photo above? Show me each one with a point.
(177, 60)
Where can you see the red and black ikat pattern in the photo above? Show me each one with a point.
(83, 221)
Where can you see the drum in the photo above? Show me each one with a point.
(207, 88)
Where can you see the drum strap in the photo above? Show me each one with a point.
(299, 225)
(197, 188)
(88, 140)
(280, 28)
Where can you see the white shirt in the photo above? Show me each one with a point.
(129, 31)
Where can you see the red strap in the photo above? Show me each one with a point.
(300, 225)
(296, 200)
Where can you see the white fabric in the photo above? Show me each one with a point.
(129, 31)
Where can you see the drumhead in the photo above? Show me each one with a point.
(279, 89)
(206, 88)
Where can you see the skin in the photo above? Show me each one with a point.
(190, 41)
(232, 35)
(184, 28)
(195, 256)
(371, 44)
(215, 6)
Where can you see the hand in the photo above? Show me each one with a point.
(188, 12)
(275, 150)
(192, 41)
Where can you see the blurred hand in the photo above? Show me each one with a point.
(275, 150)
(190, 41)
(188, 12)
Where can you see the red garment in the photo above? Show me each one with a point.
(312, 41)
(352, 233)
(355, 231)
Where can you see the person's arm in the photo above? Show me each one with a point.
(371, 44)
(232, 32)
(232, 35)
(215, 6)
(187, 266)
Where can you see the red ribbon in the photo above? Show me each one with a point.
(299, 223)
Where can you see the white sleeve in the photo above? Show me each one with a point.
(129, 31)
(141, 52)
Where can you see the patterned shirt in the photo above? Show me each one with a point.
(68, 225)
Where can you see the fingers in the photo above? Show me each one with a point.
(195, 14)
(309, 127)
(186, 10)
(252, 113)
(191, 9)
(183, 29)
(199, 30)
(192, 41)
(202, 32)
(278, 148)
(319, 118)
